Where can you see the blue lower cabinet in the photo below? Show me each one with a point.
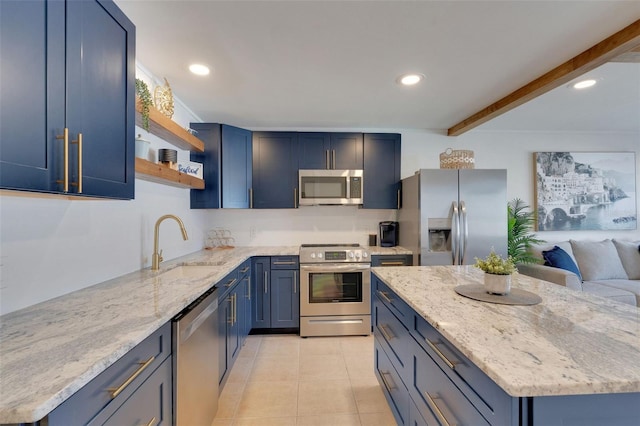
(392, 387)
(285, 299)
(276, 297)
(142, 375)
(150, 404)
(260, 303)
(416, 418)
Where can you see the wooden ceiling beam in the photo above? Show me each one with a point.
(609, 48)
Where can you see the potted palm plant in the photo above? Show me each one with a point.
(520, 222)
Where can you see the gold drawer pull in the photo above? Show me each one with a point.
(230, 283)
(65, 148)
(389, 387)
(385, 333)
(440, 354)
(143, 365)
(384, 296)
(434, 407)
(242, 271)
(151, 422)
(389, 263)
(280, 262)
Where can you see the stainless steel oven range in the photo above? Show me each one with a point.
(335, 290)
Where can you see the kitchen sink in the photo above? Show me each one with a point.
(190, 271)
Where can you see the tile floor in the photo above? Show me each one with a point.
(317, 381)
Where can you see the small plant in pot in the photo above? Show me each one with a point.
(497, 277)
(142, 91)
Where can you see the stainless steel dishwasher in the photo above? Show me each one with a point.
(195, 362)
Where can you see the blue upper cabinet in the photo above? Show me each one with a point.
(227, 167)
(331, 150)
(67, 65)
(381, 170)
(275, 170)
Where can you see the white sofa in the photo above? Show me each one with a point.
(608, 268)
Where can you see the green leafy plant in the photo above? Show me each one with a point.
(142, 91)
(520, 222)
(495, 264)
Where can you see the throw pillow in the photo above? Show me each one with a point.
(629, 253)
(598, 260)
(559, 258)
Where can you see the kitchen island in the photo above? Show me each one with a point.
(571, 358)
(50, 350)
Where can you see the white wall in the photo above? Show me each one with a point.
(50, 247)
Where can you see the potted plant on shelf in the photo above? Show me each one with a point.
(519, 239)
(142, 92)
(497, 272)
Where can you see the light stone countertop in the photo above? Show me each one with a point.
(50, 350)
(572, 343)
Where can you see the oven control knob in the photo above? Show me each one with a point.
(313, 255)
(319, 255)
(358, 254)
(365, 255)
(351, 255)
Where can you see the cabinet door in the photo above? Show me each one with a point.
(314, 150)
(381, 171)
(236, 167)
(209, 197)
(152, 400)
(285, 299)
(346, 151)
(100, 83)
(233, 326)
(224, 318)
(275, 170)
(261, 304)
(33, 97)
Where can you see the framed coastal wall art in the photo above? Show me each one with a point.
(578, 191)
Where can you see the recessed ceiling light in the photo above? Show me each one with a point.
(199, 69)
(584, 84)
(410, 79)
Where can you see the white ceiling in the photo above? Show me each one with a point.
(333, 64)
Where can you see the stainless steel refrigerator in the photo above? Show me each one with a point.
(450, 217)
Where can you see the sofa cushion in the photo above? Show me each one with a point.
(631, 286)
(598, 260)
(558, 258)
(537, 250)
(610, 292)
(629, 253)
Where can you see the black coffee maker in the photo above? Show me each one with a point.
(389, 234)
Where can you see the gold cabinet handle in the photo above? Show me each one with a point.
(250, 198)
(151, 422)
(434, 407)
(385, 333)
(433, 346)
(384, 379)
(265, 282)
(242, 271)
(230, 300)
(295, 282)
(398, 263)
(333, 157)
(282, 262)
(295, 198)
(231, 282)
(248, 288)
(327, 159)
(65, 179)
(399, 202)
(384, 296)
(143, 365)
(78, 142)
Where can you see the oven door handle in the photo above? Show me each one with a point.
(335, 267)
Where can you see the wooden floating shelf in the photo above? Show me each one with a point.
(167, 129)
(159, 173)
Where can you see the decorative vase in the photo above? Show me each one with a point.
(142, 147)
(497, 284)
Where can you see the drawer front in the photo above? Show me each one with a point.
(395, 338)
(149, 405)
(396, 305)
(244, 270)
(494, 404)
(436, 395)
(392, 260)
(392, 386)
(137, 365)
(228, 282)
(285, 262)
(416, 418)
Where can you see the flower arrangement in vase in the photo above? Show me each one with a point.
(497, 277)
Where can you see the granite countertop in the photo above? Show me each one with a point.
(50, 350)
(572, 343)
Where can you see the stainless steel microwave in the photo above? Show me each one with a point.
(330, 187)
